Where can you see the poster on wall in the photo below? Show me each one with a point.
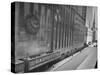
(53, 37)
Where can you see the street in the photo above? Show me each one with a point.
(86, 59)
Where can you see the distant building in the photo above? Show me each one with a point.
(91, 23)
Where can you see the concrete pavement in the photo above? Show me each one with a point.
(86, 59)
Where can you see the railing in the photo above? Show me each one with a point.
(33, 63)
(28, 64)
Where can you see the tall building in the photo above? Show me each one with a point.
(91, 22)
(94, 30)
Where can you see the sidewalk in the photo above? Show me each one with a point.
(90, 61)
(85, 59)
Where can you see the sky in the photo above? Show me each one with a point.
(90, 16)
(91, 11)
